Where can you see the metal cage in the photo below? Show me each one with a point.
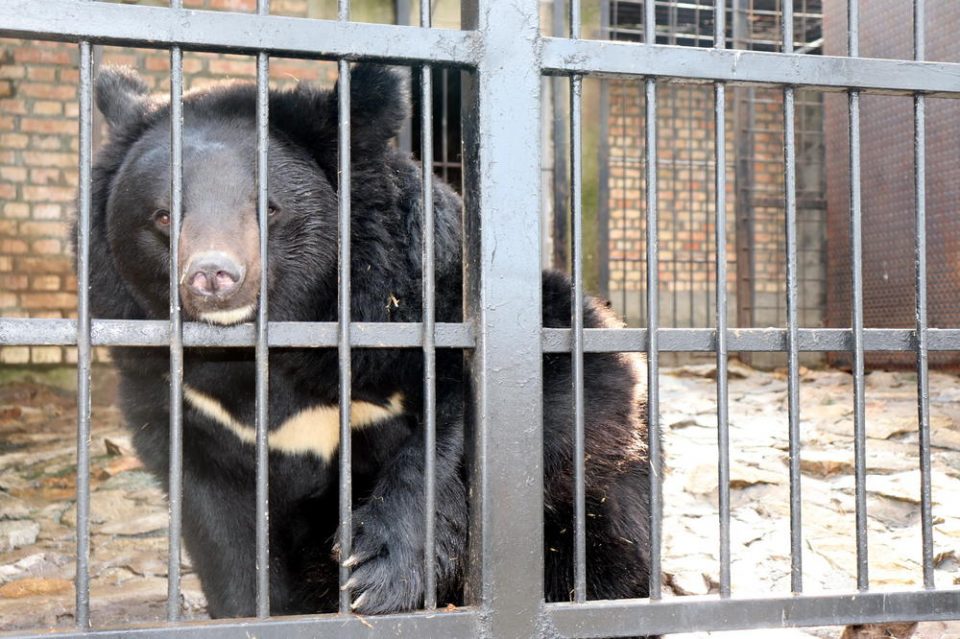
(505, 56)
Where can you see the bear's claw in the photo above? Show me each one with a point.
(386, 567)
(358, 602)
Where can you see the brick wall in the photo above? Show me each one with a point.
(687, 215)
(39, 155)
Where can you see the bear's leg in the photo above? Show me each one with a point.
(618, 563)
(219, 528)
(618, 530)
(388, 541)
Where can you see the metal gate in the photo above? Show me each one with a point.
(502, 49)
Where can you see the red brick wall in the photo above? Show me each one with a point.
(685, 165)
(38, 158)
(686, 200)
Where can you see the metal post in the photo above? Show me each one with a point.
(502, 112)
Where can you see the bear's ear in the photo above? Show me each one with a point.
(379, 103)
(121, 96)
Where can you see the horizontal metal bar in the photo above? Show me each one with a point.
(160, 27)
(686, 614)
(459, 623)
(835, 73)
(63, 332)
(605, 340)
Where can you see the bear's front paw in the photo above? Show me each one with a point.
(386, 564)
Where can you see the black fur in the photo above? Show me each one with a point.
(129, 280)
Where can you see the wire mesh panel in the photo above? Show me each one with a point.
(889, 185)
(504, 58)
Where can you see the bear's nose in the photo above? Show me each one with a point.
(213, 274)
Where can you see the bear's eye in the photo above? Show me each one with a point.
(161, 217)
(272, 210)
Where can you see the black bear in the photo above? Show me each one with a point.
(220, 267)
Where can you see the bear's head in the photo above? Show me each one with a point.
(219, 259)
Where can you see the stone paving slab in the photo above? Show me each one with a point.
(128, 509)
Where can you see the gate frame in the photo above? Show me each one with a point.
(504, 48)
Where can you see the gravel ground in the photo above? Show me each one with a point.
(128, 562)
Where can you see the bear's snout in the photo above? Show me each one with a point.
(219, 265)
(214, 274)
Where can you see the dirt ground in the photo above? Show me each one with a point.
(128, 562)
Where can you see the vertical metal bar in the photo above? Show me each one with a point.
(445, 125)
(705, 263)
(560, 183)
(603, 169)
(743, 181)
(923, 382)
(402, 13)
(793, 355)
(343, 342)
(262, 353)
(689, 255)
(673, 15)
(856, 250)
(83, 339)
(653, 313)
(603, 191)
(175, 479)
(623, 102)
(343, 313)
(429, 339)
(674, 187)
(576, 312)
(720, 226)
(623, 144)
(502, 115)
